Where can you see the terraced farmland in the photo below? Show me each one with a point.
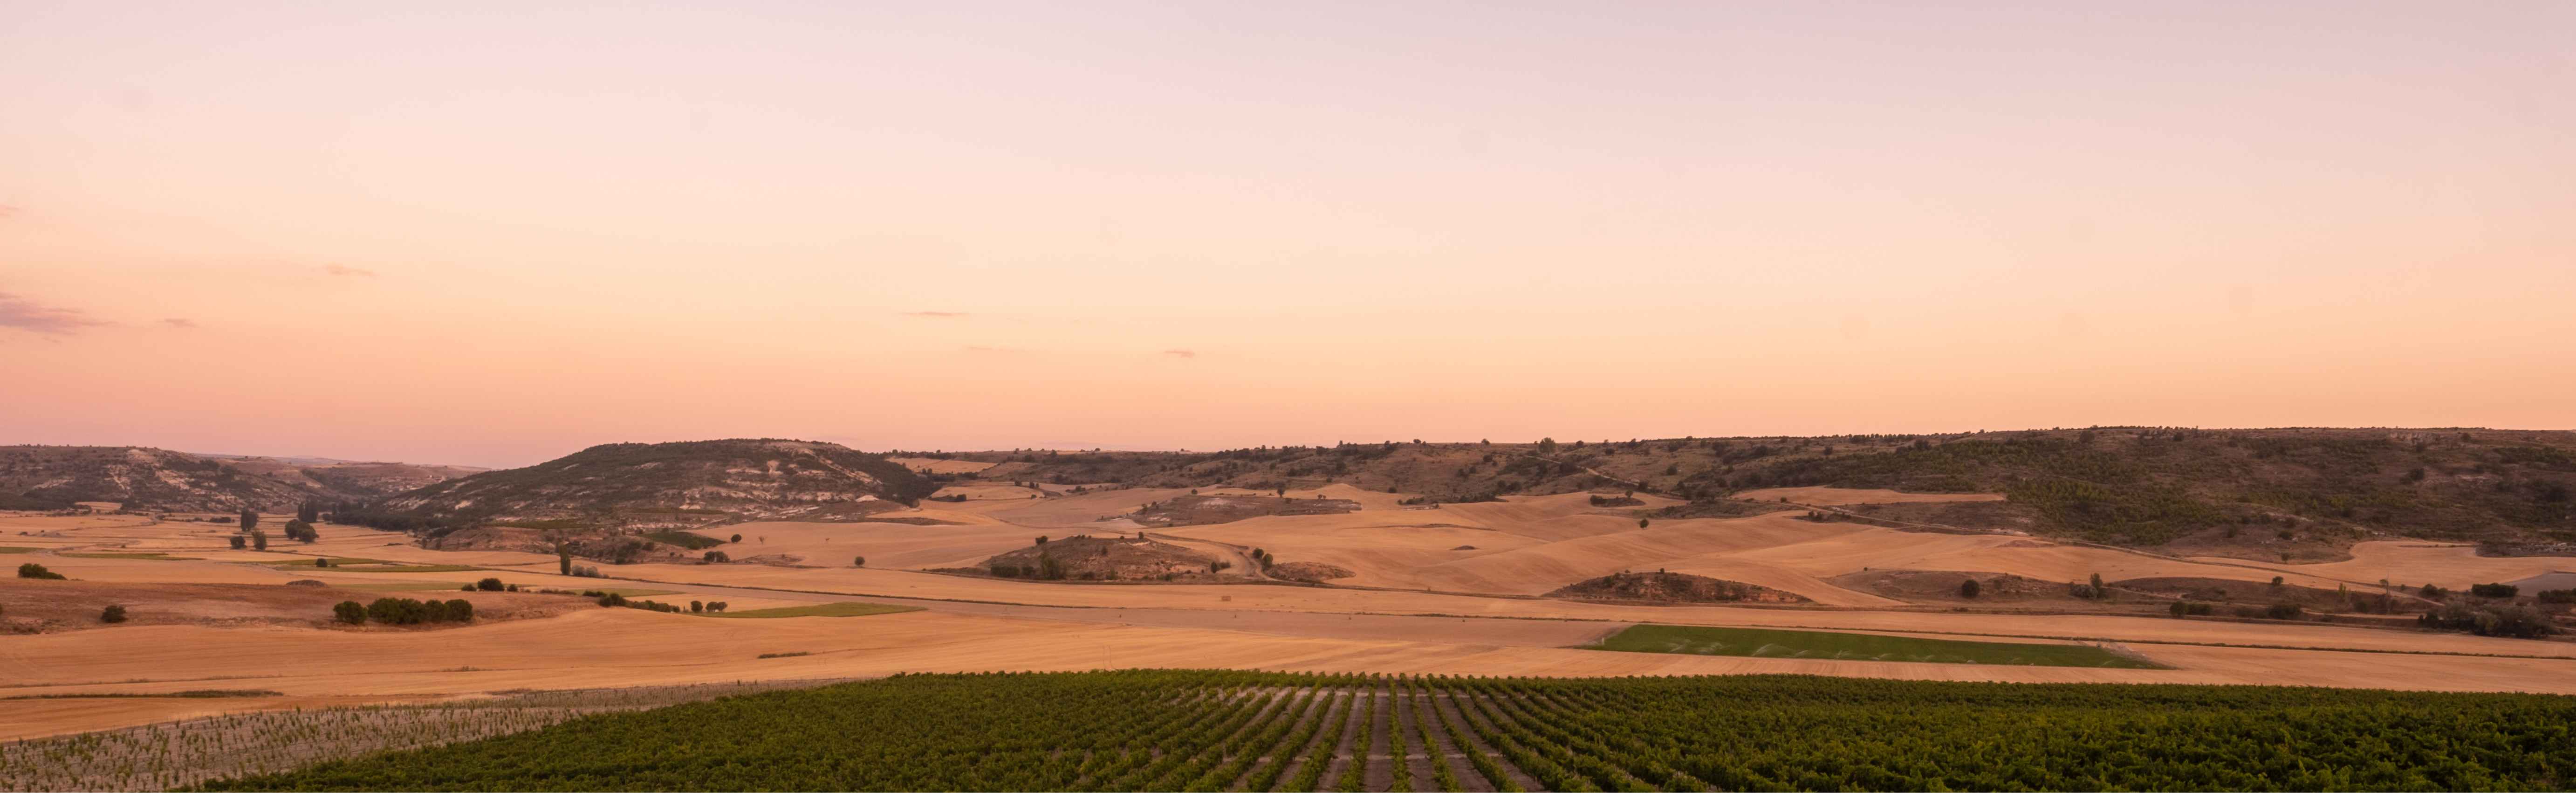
(1255, 731)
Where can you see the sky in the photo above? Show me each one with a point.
(495, 233)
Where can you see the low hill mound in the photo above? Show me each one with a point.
(632, 485)
(1661, 587)
(1196, 510)
(1089, 558)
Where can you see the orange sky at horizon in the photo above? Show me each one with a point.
(490, 235)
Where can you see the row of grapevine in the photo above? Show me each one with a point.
(1254, 731)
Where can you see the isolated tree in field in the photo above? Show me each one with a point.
(349, 611)
(488, 585)
(737, 538)
(2276, 580)
(240, 542)
(563, 557)
(249, 520)
(258, 540)
(33, 570)
(696, 607)
(1641, 523)
(859, 562)
(112, 614)
(1042, 539)
(717, 557)
(321, 561)
(1548, 446)
(1968, 588)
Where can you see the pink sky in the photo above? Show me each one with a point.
(489, 235)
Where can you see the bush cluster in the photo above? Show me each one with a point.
(403, 611)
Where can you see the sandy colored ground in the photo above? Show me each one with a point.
(2414, 563)
(937, 466)
(1841, 496)
(627, 647)
(1478, 621)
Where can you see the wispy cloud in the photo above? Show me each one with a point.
(180, 322)
(342, 269)
(935, 314)
(1182, 353)
(31, 316)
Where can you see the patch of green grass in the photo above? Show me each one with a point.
(694, 542)
(843, 609)
(132, 555)
(404, 586)
(14, 549)
(1765, 643)
(785, 655)
(336, 561)
(633, 593)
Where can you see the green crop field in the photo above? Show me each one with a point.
(1256, 731)
(16, 549)
(1695, 640)
(845, 609)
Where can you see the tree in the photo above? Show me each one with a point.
(258, 540)
(737, 538)
(240, 542)
(563, 557)
(488, 585)
(2276, 580)
(859, 562)
(349, 611)
(37, 571)
(717, 557)
(696, 607)
(249, 520)
(1547, 446)
(321, 561)
(1968, 588)
(301, 531)
(1048, 568)
(718, 606)
(308, 512)
(112, 613)
(460, 610)
(1641, 523)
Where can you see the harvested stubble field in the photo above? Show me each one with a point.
(1215, 731)
(187, 752)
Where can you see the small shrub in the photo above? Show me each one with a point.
(2494, 590)
(488, 585)
(612, 600)
(2284, 611)
(1968, 588)
(737, 538)
(33, 570)
(112, 614)
(322, 561)
(240, 542)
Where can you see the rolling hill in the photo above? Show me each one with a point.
(684, 483)
(54, 477)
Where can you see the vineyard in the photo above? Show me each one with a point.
(1256, 731)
